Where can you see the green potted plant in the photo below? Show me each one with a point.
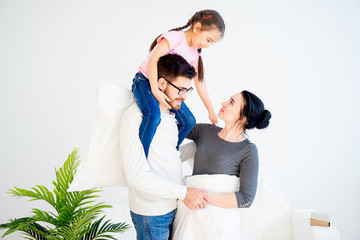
(76, 216)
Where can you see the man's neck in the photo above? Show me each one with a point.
(164, 109)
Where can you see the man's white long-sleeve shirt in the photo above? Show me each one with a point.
(154, 183)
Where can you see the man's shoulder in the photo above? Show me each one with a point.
(132, 116)
(132, 111)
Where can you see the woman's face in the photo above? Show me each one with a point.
(230, 111)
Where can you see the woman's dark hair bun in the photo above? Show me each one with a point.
(254, 111)
(264, 120)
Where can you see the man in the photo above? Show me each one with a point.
(155, 183)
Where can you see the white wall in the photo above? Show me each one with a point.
(300, 57)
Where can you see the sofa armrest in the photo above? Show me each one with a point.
(303, 231)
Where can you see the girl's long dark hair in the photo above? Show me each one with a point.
(208, 20)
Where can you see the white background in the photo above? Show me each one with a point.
(301, 58)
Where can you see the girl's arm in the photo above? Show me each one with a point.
(204, 95)
(161, 50)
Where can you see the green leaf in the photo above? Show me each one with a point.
(26, 225)
(99, 231)
(76, 212)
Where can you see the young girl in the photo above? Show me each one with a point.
(206, 27)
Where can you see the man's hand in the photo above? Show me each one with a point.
(196, 198)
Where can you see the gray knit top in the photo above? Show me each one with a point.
(215, 155)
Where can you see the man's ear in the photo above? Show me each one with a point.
(162, 84)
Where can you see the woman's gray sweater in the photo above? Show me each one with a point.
(215, 155)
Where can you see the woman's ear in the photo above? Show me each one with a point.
(242, 121)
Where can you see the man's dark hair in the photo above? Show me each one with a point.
(172, 66)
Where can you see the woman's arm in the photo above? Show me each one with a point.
(204, 95)
(224, 200)
(227, 200)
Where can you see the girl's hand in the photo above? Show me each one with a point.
(162, 98)
(213, 117)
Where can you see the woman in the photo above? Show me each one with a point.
(226, 165)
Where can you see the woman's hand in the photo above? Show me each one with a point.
(161, 98)
(213, 117)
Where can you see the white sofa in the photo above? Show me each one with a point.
(295, 225)
(269, 218)
(274, 218)
(302, 230)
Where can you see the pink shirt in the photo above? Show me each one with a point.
(178, 45)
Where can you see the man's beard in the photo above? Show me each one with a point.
(174, 105)
(173, 102)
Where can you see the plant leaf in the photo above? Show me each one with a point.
(76, 212)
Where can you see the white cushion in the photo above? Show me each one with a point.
(303, 231)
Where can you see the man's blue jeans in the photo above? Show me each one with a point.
(151, 113)
(153, 227)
